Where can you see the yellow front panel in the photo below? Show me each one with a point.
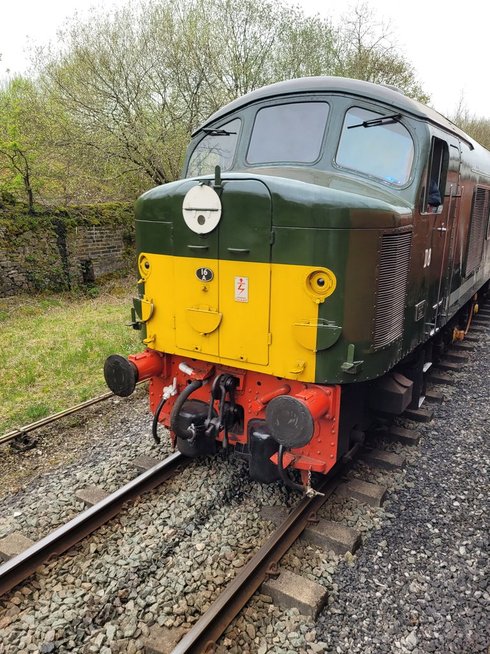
(159, 290)
(185, 308)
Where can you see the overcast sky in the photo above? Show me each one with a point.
(447, 44)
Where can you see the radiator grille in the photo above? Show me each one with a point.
(392, 286)
(479, 216)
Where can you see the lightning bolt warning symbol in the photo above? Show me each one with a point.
(241, 289)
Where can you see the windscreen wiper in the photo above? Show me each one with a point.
(382, 120)
(218, 132)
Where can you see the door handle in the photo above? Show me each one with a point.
(441, 229)
(238, 250)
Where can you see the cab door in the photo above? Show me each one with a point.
(245, 272)
(222, 278)
(444, 171)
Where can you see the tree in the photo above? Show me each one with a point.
(137, 82)
(17, 140)
(476, 127)
(366, 50)
(125, 90)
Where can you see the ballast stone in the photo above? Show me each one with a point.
(290, 590)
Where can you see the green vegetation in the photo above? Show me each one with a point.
(110, 108)
(477, 128)
(53, 347)
(15, 220)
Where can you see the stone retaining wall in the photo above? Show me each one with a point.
(62, 250)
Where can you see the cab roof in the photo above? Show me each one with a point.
(390, 97)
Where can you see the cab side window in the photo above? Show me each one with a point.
(435, 184)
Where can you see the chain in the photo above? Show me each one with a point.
(311, 492)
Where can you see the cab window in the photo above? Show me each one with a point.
(288, 133)
(215, 149)
(376, 145)
(435, 182)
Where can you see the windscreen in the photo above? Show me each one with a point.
(288, 133)
(215, 149)
(372, 144)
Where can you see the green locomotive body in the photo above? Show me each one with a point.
(326, 234)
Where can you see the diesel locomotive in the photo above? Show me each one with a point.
(328, 239)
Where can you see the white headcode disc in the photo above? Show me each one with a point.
(201, 209)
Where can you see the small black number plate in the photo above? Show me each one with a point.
(419, 310)
(204, 274)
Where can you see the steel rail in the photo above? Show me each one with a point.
(203, 635)
(24, 564)
(22, 431)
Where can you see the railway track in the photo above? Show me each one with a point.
(203, 636)
(22, 432)
(212, 624)
(207, 630)
(205, 633)
(24, 564)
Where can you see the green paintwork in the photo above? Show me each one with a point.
(328, 334)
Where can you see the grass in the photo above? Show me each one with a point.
(53, 348)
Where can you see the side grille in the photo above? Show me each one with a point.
(392, 285)
(479, 216)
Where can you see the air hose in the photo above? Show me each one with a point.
(179, 402)
(156, 417)
(468, 324)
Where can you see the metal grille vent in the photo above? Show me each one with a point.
(392, 286)
(479, 216)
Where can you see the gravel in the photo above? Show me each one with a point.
(69, 439)
(97, 448)
(419, 583)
